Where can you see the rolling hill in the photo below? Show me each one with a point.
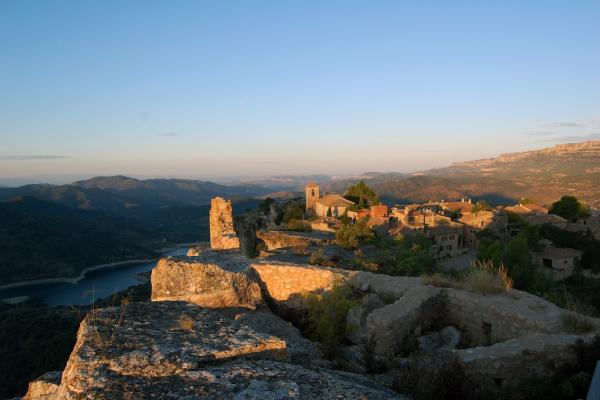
(130, 196)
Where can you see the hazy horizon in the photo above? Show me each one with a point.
(219, 90)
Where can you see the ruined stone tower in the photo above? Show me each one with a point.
(312, 195)
(222, 235)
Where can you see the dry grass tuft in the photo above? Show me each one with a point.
(441, 280)
(484, 277)
(185, 322)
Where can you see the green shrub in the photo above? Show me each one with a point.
(351, 235)
(406, 256)
(326, 317)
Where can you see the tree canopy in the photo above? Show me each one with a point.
(362, 195)
(569, 208)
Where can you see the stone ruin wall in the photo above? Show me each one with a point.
(222, 234)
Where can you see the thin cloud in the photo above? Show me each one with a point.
(30, 157)
(171, 134)
(543, 133)
(564, 125)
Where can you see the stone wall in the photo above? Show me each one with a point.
(280, 240)
(222, 234)
(286, 284)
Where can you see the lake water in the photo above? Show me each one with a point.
(102, 283)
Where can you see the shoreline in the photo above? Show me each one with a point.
(98, 267)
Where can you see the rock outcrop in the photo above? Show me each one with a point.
(222, 234)
(208, 333)
(207, 280)
(175, 350)
(45, 387)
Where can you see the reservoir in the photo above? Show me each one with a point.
(97, 284)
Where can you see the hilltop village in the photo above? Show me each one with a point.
(339, 297)
(454, 228)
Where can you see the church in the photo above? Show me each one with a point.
(330, 205)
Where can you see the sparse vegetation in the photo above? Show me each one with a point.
(326, 317)
(486, 278)
(441, 280)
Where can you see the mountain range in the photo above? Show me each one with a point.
(57, 230)
(543, 175)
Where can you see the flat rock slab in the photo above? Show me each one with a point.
(176, 350)
(239, 380)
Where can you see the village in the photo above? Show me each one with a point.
(454, 228)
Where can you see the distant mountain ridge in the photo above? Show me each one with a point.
(544, 175)
(126, 196)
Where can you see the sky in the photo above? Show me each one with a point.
(219, 89)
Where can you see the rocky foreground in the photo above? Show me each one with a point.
(186, 345)
(214, 330)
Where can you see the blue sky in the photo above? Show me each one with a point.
(241, 88)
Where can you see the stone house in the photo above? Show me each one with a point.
(464, 206)
(496, 221)
(358, 214)
(447, 240)
(379, 211)
(528, 209)
(562, 261)
(333, 203)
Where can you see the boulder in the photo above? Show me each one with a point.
(222, 234)
(207, 280)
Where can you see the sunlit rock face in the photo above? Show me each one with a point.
(45, 387)
(207, 280)
(176, 350)
(222, 234)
